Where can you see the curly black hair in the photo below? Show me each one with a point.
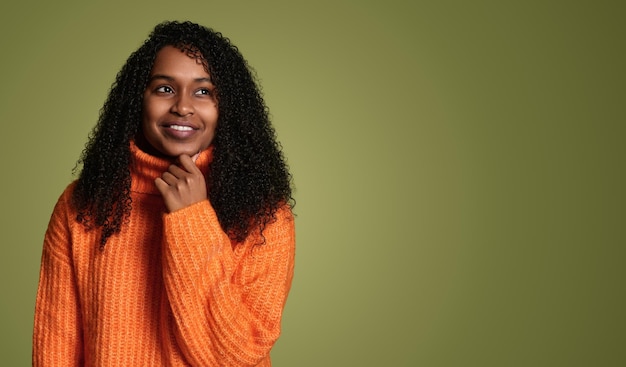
(248, 179)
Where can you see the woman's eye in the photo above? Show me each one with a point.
(164, 89)
(205, 92)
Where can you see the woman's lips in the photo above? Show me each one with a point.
(179, 131)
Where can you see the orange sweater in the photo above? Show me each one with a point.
(169, 290)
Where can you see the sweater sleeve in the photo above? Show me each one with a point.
(226, 303)
(57, 338)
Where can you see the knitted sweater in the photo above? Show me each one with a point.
(169, 290)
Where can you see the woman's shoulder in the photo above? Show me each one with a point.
(69, 189)
(65, 198)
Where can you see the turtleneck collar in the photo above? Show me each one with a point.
(145, 168)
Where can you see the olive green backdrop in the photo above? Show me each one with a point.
(459, 168)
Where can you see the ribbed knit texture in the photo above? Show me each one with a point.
(169, 290)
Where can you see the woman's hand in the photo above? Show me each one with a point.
(182, 185)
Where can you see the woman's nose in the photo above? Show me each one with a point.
(183, 106)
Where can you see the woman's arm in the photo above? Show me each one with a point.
(227, 304)
(57, 337)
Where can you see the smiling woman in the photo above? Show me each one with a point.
(176, 244)
(179, 109)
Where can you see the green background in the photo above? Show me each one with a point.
(459, 168)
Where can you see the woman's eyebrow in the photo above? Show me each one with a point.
(207, 80)
(161, 76)
(171, 79)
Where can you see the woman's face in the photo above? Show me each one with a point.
(179, 105)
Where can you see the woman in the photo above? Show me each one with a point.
(175, 246)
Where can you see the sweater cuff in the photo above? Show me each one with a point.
(202, 208)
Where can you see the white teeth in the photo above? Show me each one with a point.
(181, 128)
